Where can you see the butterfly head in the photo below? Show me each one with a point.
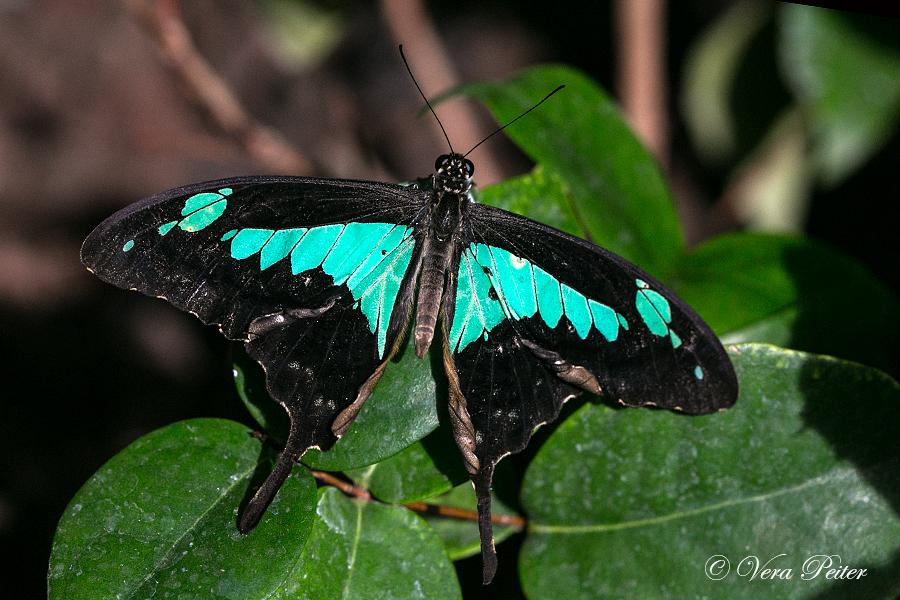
(454, 174)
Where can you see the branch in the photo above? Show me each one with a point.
(641, 78)
(162, 20)
(411, 25)
(419, 507)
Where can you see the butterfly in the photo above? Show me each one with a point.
(324, 279)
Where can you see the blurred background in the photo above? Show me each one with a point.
(764, 116)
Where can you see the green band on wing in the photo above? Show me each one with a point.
(200, 210)
(655, 312)
(521, 290)
(653, 308)
(370, 258)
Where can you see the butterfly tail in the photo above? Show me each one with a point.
(482, 483)
(257, 506)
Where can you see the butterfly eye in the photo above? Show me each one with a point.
(442, 161)
(469, 167)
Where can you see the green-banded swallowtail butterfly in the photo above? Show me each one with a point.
(322, 279)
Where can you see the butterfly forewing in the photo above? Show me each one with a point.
(305, 271)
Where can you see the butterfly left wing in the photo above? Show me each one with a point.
(315, 276)
(535, 316)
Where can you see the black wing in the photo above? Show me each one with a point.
(307, 272)
(537, 315)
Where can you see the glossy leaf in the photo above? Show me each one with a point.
(429, 467)
(792, 292)
(369, 550)
(616, 190)
(848, 83)
(160, 519)
(635, 503)
(540, 195)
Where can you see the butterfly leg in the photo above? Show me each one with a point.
(563, 369)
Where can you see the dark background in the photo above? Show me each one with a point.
(92, 119)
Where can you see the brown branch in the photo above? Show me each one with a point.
(419, 507)
(347, 488)
(641, 78)
(411, 25)
(463, 514)
(162, 19)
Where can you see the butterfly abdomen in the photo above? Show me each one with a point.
(444, 225)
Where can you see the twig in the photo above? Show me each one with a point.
(411, 25)
(461, 513)
(347, 488)
(162, 19)
(419, 507)
(641, 80)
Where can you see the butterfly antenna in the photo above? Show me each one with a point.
(513, 121)
(421, 93)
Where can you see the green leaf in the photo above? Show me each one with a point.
(460, 536)
(539, 195)
(369, 550)
(792, 292)
(160, 519)
(847, 82)
(429, 467)
(400, 411)
(615, 188)
(635, 503)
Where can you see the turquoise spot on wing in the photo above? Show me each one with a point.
(463, 300)
(128, 246)
(314, 247)
(698, 372)
(354, 245)
(248, 242)
(475, 313)
(577, 310)
(660, 304)
(512, 279)
(379, 290)
(279, 246)
(549, 297)
(653, 308)
(605, 320)
(229, 234)
(164, 229)
(371, 258)
(202, 218)
(390, 242)
(199, 202)
(651, 318)
(623, 321)
(676, 341)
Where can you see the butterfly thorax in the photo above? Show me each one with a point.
(447, 215)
